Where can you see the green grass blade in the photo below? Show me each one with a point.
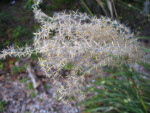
(87, 8)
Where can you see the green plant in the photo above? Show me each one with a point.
(1, 64)
(35, 56)
(46, 86)
(109, 6)
(124, 90)
(30, 86)
(27, 112)
(18, 32)
(23, 80)
(2, 105)
(87, 8)
(68, 66)
(16, 69)
(58, 4)
(10, 32)
(5, 20)
(29, 4)
(33, 94)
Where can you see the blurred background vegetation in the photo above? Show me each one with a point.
(17, 23)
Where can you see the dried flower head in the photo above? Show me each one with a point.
(85, 42)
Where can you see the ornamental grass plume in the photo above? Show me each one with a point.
(78, 39)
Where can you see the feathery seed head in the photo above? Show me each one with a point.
(84, 41)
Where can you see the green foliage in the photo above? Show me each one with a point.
(29, 4)
(58, 4)
(34, 56)
(2, 105)
(16, 69)
(18, 33)
(134, 4)
(1, 64)
(33, 94)
(10, 32)
(23, 80)
(145, 49)
(87, 8)
(30, 86)
(124, 90)
(27, 112)
(5, 16)
(143, 37)
(5, 19)
(46, 86)
(68, 66)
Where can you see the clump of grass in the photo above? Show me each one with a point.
(17, 69)
(23, 80)
(32, 92)
(124, 90)
(2, 105)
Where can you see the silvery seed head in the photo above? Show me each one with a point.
(78, 39)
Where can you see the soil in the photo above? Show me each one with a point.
(19, 100)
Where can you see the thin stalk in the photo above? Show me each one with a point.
(114, 9)
(87, 8)
(102, 6)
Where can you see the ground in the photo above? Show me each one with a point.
(20, 97)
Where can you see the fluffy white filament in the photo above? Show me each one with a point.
(86, 42)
